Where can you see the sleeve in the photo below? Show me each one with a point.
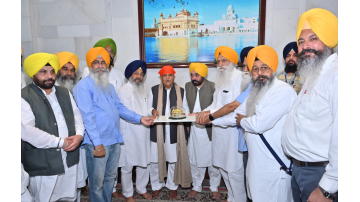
(79, 124)
(33, 135)
(329, 180)
(124, 112)
(150, 103)
(241, 98)
(124, 97)
(270, 112)
(185, 104)
(230, 119)
(83, 98)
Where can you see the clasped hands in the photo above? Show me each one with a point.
(72, 142)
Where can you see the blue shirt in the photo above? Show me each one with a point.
(101, 113)
(241, 98)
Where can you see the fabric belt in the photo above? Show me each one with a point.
(302, 164)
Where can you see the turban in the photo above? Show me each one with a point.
(244, 53)
(36, 61)
(200, 68)
(264, 53)
(228, 53)
(133, 66)
(65, 57)
(167, 70)
(323, 23)
(290, 46)
(93, 53)
(107, 42)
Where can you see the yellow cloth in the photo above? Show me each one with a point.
(323, 23)
(65, 57)
(93, 53)
(228, 53)
(36, 61)
(200, 68)
(264, 53)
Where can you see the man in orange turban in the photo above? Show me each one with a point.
(264, 112)
(314, 116)
(167, 140)
(69, 63)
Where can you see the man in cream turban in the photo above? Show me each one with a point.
(51, 131)
(69, 63)
(101, 109)
(168, 143)
(310, 135)
(230, 82)
(199, 95)
(264, 112)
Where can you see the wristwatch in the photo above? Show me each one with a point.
(211, 117)
(327, 194)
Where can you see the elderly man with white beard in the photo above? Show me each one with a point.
(229, 84)
(101, 110)
(136, 149)
(69, 63)
(310, 135)
(264, 112)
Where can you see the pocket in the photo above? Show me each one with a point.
(225, 97)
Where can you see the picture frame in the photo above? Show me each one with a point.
(173, 29)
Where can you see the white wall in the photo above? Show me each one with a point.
(76, 25)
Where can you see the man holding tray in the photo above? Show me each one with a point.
(168, 142)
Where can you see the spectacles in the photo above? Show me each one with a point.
(263, 69)
(97, 63)
(137, 74)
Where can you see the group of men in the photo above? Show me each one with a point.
(271, 138)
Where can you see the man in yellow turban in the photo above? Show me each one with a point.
(51, 131)
(314, 116)
(69, 63)
(101, 109)
(264, 112)
(199, 95)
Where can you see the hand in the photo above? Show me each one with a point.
(318, 196)
(201, 115)
(76, 139)
(238, 118)
(155, 113)
(147, 120)
(98, 153)
(66, 143)
(193, 114)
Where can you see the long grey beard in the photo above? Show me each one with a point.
(257, 91)
(139, 94)
(309, 68)
(101, 81)
(223, 78)
(246, 79)
(68, 84)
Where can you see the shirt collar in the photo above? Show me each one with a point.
(328, 62)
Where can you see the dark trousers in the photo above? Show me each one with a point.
(245, 159)
(304, 180)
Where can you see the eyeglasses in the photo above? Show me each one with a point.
(137, 74)
(263, 69)
(97, 63)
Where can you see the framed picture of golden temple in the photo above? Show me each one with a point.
(183, 31)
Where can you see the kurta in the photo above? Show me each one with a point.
(266, 182)
(55, 187)
(199, 144)
(225, 139)
(170, 149)
(136, 148)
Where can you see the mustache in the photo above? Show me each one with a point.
(308, 50)
(261, 76)
(68, 75)
(49, 80)
(104, 70)
(291, 61)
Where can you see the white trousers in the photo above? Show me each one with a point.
(26, 196)
(235, 185)
(142, 179)
(198, 174)
(154, 177)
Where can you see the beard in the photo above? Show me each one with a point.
(223, 76)
(139, 94)
(138, 87)
(67, 83)
(101, 79)
(246, 79)
(198, 83)
(290, 68)
(309, 68)
(257, 91)
(42, 84)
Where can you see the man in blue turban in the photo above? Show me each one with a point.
(136, 149)
(290, 75)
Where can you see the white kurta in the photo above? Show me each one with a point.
(23, 79)
(116, 77)
(170, 149)
(55, 187)
(266, 182)
(225, 152)
(199, 145)
(136, 149)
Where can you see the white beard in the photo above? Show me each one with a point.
(257, 91)
(246, 79)
(223, 77)
(68, 84)
(101, 80)
(139, 94)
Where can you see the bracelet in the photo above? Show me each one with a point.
(58, 143)
(99, 149)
